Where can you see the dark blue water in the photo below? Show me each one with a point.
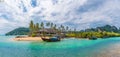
(65, 48)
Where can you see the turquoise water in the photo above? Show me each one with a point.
(65, 48)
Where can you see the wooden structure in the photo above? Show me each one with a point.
(47, 32)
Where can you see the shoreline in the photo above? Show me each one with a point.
(28, 39)
(33, 38)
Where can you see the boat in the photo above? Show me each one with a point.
(53, 39)
(93, 38)
(105, 37)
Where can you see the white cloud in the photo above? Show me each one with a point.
(80, 13)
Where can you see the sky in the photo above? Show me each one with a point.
(79, 14)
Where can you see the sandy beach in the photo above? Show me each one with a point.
(28, 39)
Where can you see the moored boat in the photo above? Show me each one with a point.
(53, 39)
(93, 38)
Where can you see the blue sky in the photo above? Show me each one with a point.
(80, 14)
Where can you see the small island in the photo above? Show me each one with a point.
(38, 31)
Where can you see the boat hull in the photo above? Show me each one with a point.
(50, 40)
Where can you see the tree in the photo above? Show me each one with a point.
(55, 27)
(31, 26)
(48, 24)
(37, 26)
(51, 25)
(74, 29)
(34, 28)
(42, 25)
(67, 28)
(62, 27)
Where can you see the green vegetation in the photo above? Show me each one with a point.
(34, 28)
(19, 31)
(93, 34)
(106, 28)
(99, 32)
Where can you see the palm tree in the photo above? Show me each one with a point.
(63, 28)
(42, 27)
(48, 24)
(55, 27)
(59, 28)
(67, 28)
(75, 30)
(34, 28)
(37, 26)
(59, 31)
(70, 30)
(31, 26)
(51, 25)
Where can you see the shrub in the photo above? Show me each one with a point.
(33, 34)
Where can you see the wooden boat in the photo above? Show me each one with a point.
(93, 38)
(53, 39)
(105, 37)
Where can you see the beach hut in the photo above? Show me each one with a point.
(47, 32)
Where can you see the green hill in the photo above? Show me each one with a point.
(19, 31)
(106, 28)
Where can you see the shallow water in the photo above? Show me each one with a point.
(65, 48)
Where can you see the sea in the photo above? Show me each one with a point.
(68, 47)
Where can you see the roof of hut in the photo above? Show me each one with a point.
(48, 30)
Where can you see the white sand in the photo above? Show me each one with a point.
(28, 39)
